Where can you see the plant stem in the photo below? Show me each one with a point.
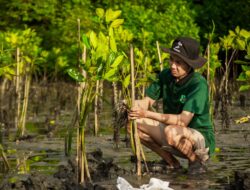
(96, 107)
(159, 55)
(136, 137)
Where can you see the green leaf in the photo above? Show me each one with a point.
(93, 39)
(248, 74)
(61, 61)
(117, 61)
(240, 62)
(75, 74)
(99, 12)
(27, 59)
(112, 15)
(245, 67)
(110, 74)
(102, 38)
(100, 69)
(242, 77)
(111, 32)
(116, 23)
(244, 88)
(126, 81)
(113, 44)
(244, 33)
(85, 41)
(241, 44)
(111, 58)
(231, 33)
(9, 70)
(247, 57)
(237, 29)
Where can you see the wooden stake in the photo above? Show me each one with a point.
(159, 55)
(96, 107)
(18, 93)
(136, 137)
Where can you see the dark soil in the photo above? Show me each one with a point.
(65, 178)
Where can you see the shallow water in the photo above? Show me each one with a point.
(45, 151)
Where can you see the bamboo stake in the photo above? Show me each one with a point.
(96, 107)
(145, 74)
(208, 62)
(101, 95)
(116, 127)
(136, 137)
(209, 82)
(208, 68)
(159, 55)
(18, 93)
(3, 86)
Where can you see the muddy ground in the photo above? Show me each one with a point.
(38, 161)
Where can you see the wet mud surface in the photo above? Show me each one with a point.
(38, 161)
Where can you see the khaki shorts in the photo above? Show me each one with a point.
(199, 147)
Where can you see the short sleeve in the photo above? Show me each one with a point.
(197, 98)
(154, 90)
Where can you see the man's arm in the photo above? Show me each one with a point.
(183, 119)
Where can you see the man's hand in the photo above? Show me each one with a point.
(136, 113)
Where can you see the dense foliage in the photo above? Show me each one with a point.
(144, 22)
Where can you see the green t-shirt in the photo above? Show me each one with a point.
(189, 94)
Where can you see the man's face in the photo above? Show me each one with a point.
(178, 67)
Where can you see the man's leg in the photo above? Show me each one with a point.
(152, 145)
(152, 139)
(188, 141)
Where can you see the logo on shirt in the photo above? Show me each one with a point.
(183, 99)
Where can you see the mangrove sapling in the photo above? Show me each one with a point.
(244, 76)
(235, 41)
(111, 26)
(18, 92)
(86, 100)
(210, 69)
(82, 114)
(97, 68)
(28, 43)
(134, 137)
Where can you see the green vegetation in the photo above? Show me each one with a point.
(88, 42)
